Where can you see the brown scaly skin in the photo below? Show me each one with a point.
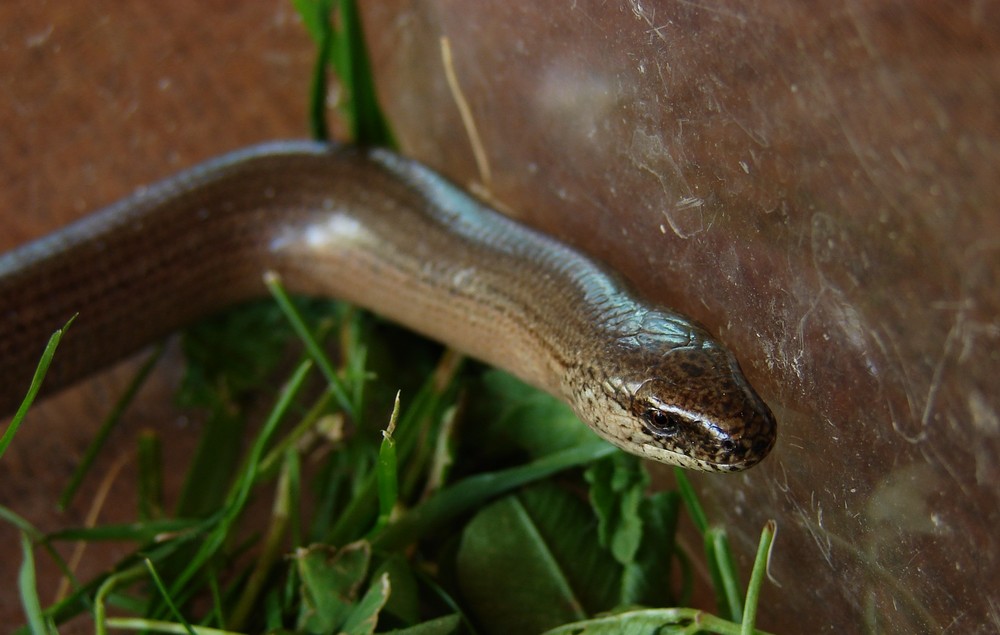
(384, 232)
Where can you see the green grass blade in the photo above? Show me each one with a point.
(757, 576)
(161, 626)
(724, 576)
(27, 585)
(273, 282)
(313, 13)
(107, 426)
(691, 501)
(20, 522)
(426, 408)
(475, 490)
(150, 476)
(142, 532)
(34, 387)
(388, 477)
(240, 491)
(323, 30)
(166, 597)
(369, 125)
(104, 590)
(345, 49)
(718, 553)
(273, 546)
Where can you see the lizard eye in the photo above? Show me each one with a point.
(661, 424)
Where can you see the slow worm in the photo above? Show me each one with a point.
(386, 233)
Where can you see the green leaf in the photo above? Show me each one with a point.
(617, 488)
(570, 529)
(545, 566)
(404, 603)
(224, 520)
(364, 617)
(331, 579)
(509, 576)
(530, 418)
(643, 622)
(439, 626)
(228, 356)
(464, 496)
(648, 579)
(651, 622)
(234, 352)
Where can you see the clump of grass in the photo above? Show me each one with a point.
(479, 505)
(469, 504)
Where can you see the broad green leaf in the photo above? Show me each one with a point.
(570, 529)
(404, 603)
(617, 488)
(331, 579)
(509, 576)
(468, 494)
(651, 622)
(646, 622)
(648, 579)
(531, 419)
(542, 563)
(438, 626)
(364, 616)
(235, 351)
